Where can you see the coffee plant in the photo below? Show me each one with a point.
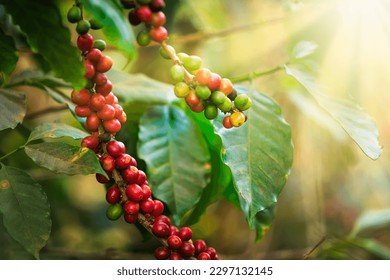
(163, 153)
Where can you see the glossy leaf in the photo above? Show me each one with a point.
(176, 156)
(25, 209)
(9, 55)
(55, 130)
(352, 118)
(116, 26)
(260, 155)
(53, 39)
(12, 108)
(64, 158)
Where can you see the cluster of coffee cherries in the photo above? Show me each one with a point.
(128, 192)
(205, 91)
(149, 12)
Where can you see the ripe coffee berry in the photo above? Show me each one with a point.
(89, 70)
(158, 208)
(108, 163)
(141, 177)
(174, 242)
(131, 207)
(81, 97)
(104, 64)
(175, 256)
(111, 99)
(144, 13)
(115, 148)
(133, 18)
(226, 86)
(130, 218)
(134, 192)
(161, 230)
(226, 122)
(163, 219)
(211, 251)
(102, 179)
(146, 191)
(85, 42)
(158, 19)
(204, 256)
(185, 233)
(90, 142)
(157, 5)
(203, 76)
(92, 123)
(113, 194)
(162, 253)
(97, 102)
(187, 249)
(104, 89)
(174, 230)
(130, 174)
(147, 205)
(123, 161)
(106, 113)
(159, 34)
(200, 246)
(100, 79)
(112, 125)
(215, 81)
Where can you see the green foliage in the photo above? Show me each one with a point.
(42, 24)
(176, 156)
(25, 209)
(116, 28)
(356, 122)
(8, 53)
(55, 130)
(12, 107)
(259, 154)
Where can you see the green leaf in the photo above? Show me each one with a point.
(176, 156)
(9, 55)
(64, 158)
(55, 130)
(356, 122)
(115, 24)
(42, 24)
(373, 247)
(304, 49)
(12, 108)
(36, 79)
(25, 209)
(371, 222)
(260, 155)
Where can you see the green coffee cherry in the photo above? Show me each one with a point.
(165, 54)
(182, 56)
(114, 212)
(99, 44)
(95, 25)
(211, 111)
(181, 89)
(202, 91)
(192, 62)
(83, 27)
(177, 73)
(218, 97)
(74, 14)
(143, 38)
(226, 106)
(242, 102)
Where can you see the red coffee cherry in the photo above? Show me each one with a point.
(215, 81)
(108, 163)
(113, 194)
(163, 219)
(130, 175)
(144, 13)
(123, 161)
(175, 256)
(133, 18)
(104, 64)
(159, 34)
(162, 253)
(104, 89)
(147, 205)
(227, 122)
(158, 19)
(92, 122)
(174, 230)
(200, 246)
(89, 70)
(81, 97)
(85, 42)
(174, 242)
(111, 99)
(94, 55)
(204, 256)
(115, 148)
(211, 251)
(185, 233)
(97, 102)
(187, 249)
(90, 142)
(157, 5)
(146, 191)
(131, 207)
(100, 79)
(107, 112)
(130, 218)
(161, 230)
(158, 208)
(141, 177)
(134, 192)
(102, 179)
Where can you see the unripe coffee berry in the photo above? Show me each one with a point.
(237, 119)
(83, 27)
(74, 14)
(143, 38)
(114, 212)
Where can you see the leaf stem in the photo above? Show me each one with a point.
(12, 152)
(257, 74)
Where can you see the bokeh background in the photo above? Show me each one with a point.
(332, 185)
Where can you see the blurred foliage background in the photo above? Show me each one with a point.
(336, 197)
